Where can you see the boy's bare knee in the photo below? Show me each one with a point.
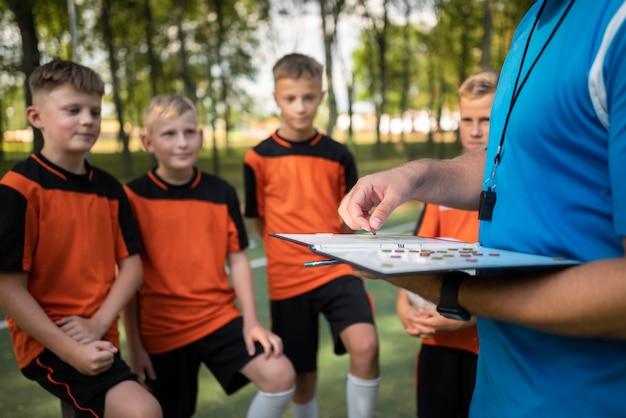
(130, 400)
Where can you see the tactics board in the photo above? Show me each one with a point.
(396, 255)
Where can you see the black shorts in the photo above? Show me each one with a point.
(223, 352)
(86, 394)
(343, 301)
(445, 381)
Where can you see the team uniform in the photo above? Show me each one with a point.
(296, 187)
(447, 361)
(187, 310)
(568, 149)
(67, 231)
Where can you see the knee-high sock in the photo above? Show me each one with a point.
(361, 396)
(269, 405)
(305, 410)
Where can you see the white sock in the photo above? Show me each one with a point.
(361, 396)
(305, 410)
(269, 405)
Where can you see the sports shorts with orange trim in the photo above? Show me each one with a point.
(86, 394)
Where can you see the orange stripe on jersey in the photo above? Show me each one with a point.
(297, 187)
(51, 169)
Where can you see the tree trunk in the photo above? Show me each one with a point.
(190, 87)
(155, 64)
(406, 66)
(31, 59)
(329, 35)
(382, 62)
(122, 136)
(485, 47)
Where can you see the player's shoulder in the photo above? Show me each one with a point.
(212, 180)
(268, 146)
(137, 183)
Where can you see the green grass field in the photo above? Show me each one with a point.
(20, 398)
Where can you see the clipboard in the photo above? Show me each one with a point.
(398, 255)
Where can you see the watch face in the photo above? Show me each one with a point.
(459, 315)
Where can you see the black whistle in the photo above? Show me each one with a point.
(487, 203)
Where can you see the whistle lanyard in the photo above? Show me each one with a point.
(488, 197)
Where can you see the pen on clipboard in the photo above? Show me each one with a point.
(320, 263)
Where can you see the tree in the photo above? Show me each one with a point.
(25, 19)
(330, 11)
(122, 136)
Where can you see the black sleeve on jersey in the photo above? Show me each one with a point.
(251, 209)
(234, 210)
(12, 229)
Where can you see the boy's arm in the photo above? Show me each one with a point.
(124, 287)
(16, 301)
(85, 330)
(139, 359)
(404, 310)
(241, 276)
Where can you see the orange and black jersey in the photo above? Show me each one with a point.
(444, 222)
(187, 232)
(67, 231)
(297, 187)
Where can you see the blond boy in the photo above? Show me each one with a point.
(185, 313)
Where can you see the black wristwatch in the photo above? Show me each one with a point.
(448, 301)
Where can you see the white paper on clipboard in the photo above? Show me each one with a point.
(397, 255)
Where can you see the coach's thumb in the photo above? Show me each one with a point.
(379, 216)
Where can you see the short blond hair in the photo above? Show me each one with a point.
(58, 72)
(479, 84)
(297, 65)
(166, 106)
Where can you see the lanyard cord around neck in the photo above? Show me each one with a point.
(516, 90)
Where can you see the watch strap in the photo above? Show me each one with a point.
(448, 300)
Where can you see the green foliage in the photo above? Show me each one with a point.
(440, 56)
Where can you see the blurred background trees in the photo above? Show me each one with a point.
(389, 56)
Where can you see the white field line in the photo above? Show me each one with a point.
(262, 261)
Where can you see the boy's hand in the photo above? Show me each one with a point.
(406, 312)
(81, 330)
(141, 365)
(427, 322)
(272, 343)
(93, 358)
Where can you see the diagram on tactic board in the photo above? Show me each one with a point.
(395, 255)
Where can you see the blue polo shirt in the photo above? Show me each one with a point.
(561, 190)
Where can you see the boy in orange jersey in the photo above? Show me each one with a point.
(294, 182)
(446, 363)
(65, 227)
(190, 224)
